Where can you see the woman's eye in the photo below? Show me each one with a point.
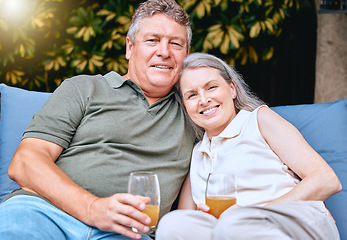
(212, 87)
(191, 95)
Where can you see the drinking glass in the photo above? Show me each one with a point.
(220, 192)
(146, 184)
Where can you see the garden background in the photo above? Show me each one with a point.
(272, 43)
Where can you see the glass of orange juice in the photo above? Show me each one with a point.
(146, 184)
(220, 192)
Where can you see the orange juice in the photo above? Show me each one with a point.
(219, 204)
(153, 212)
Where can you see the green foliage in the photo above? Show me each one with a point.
(55, 39)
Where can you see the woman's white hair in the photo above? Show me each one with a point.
(245, 98)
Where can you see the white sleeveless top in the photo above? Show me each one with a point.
(241, 149)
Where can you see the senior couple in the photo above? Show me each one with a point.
(75, 157)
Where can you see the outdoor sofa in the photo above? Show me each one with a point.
(324, 126)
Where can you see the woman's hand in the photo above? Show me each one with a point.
(203, 207)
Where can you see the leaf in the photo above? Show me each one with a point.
(202, 7)
(109, 14)
(253, 56)
(255, 30)
(269, 25)
(39, 19)
(268, 54)
(119, 64)
(68, 47)
(225, 45)
(235, 36)
(14, 76)
(26, 49)
(48, 66)
(188, 3)
(55, 63)
(125, 23)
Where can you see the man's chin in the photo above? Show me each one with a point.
(163, 81)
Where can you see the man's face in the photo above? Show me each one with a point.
(156, 56)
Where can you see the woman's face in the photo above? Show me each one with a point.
(208, 98)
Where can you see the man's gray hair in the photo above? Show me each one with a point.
(169, 8)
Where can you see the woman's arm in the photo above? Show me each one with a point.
(319, 181)
(186, 199)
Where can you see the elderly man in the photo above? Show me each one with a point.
(76, 155)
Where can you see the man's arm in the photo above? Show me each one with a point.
(33, 168)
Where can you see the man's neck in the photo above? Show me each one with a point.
(150, 98)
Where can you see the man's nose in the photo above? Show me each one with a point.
(163, 49)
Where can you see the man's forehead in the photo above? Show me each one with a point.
(158, 28)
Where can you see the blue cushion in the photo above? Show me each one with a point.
(324, 126)
(16, 110)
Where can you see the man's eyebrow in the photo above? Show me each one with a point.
(174, 37)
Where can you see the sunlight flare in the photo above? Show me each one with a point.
(13, 9)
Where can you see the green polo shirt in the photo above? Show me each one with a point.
(108, 129)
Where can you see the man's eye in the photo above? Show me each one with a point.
(151, 40)
(177, 45)
(212, 87)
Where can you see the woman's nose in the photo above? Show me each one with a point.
(204, 99)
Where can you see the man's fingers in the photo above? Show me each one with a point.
(129, 207)
(126, 232)
(132, 223)
(135, 201)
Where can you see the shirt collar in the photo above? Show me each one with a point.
(114, 79)
(231, 131)
(235, 126)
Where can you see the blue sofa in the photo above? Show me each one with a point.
(324, 126)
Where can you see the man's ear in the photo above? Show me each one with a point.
(129, 46)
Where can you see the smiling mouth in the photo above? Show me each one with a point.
(162, 66)
(209, 110)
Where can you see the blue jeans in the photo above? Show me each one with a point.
(28, 217)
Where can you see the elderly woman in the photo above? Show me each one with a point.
(281, 181)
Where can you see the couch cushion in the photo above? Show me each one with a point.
(324, 126)
(16, 110)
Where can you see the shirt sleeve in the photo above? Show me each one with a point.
(60, 116)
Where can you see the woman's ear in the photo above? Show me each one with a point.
(233, 90)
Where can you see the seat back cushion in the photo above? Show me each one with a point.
(17, 107)
(324, 126)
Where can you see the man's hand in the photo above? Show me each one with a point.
(120, 212)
